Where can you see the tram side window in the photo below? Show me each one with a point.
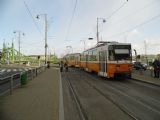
(72, 58)
(66, 58)
(94, 55)
(85, 56)
(111, 55)
(90, 55)
(82, 58)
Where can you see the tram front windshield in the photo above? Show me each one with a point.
(119, 52)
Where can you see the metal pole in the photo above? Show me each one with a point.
(135, 54)
(45, 38)
(84, 45)
(97, 32)
(145, 47)
(19, 39)
(11, 85)
(12, 51)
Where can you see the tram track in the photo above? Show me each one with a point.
(82, 114)
(110, 98)
(122, 95)
(90, 95)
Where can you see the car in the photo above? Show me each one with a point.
(140, 66)
(144, 65)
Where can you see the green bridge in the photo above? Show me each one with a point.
(10, 55)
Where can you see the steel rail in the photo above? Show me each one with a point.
(110, 99)
(77, 101)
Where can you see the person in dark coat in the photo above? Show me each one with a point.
(61, 66)
(66, 66)
(156, 66)
(48, 64)
(158, 71)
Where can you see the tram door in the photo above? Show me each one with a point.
(102, 62)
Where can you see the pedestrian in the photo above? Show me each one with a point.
(155, 66)
(61, 66)
(158, 67)
(48, 64)
(66, 66)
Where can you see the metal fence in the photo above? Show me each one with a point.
(7, 84)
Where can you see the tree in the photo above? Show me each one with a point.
(0, 55)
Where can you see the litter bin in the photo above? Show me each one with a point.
(24, 78)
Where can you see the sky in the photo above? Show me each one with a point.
(71, 23)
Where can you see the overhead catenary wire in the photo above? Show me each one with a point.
(136, 11)
(35, 43)
(71, 20)
(136, 26)
(114, 12)
(117, 10)
(29, 12)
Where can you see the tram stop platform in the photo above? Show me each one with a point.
(38, 100)
(145, 76)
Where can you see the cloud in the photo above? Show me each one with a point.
(133, 32)
(84, 23)
(153, 42)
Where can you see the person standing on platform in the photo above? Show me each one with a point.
(155, 66)
(158, 71)
(48, 64)
(61, 66)
(66, 66)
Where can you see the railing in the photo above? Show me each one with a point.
(7, 84)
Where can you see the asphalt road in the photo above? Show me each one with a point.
(140, 100)
(5, 78)
(4, 72)
(94, 105)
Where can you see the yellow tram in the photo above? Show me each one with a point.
(107, 59)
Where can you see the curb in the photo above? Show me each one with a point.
(145, 82)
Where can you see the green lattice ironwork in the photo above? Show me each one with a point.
(11, 55)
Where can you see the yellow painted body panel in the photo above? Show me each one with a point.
(71, 63)
(93, 66)
(74, 63)
(112, 69)
(83, 64)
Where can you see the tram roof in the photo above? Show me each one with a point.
(72, 54)
(103, 43)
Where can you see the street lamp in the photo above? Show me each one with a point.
(45, 46)
(84, 42)
(103, 20)
(19, 42)
(135, 54)
(90, 38)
